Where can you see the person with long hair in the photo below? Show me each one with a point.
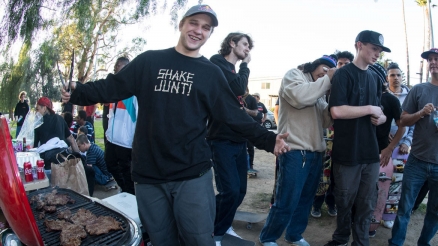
(228, 149)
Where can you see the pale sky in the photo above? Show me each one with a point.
(291, 32)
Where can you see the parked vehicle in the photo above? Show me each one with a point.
(270, 121)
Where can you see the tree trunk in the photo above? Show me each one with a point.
(407, 47)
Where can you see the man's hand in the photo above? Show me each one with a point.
(378, 121)
(330, 72)
(403, 149)
(427, 109)
(375, 111)
(384, 157)
(65, 96)
(281, 146)
(247, 59)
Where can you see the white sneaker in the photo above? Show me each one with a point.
(218, 243)
(388, 224)
(231, 232)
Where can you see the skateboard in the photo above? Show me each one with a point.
(385, 178)
(249, 217)
(398, 161)
(229, 240)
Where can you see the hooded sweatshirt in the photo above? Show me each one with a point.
(303, 111)
(407, 137)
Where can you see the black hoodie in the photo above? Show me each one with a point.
(238, 83)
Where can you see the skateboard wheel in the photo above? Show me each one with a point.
(249, 225)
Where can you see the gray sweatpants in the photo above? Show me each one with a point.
(355, 186)
(186, 208)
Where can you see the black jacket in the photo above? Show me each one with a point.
(238, 83)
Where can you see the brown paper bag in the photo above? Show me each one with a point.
(70, 174)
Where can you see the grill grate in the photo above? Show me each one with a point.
(110, 238)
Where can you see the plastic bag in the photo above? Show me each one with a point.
(33, 120)
(70, 174)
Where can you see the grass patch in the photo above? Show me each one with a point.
(422, 208)
(98, 132)
(98, 129)
(261, 200)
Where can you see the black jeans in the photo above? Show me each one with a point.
(355, 186)
(118, 161)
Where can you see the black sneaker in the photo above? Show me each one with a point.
(372, 233)
(335, 243)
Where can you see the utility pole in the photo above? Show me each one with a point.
(421, 72)
(431, 27)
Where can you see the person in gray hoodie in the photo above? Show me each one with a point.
(399, 90)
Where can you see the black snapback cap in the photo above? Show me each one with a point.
(372, 37)
(426, 54)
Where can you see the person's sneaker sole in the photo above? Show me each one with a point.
(302, 242)
(315, 215)
(332, 214)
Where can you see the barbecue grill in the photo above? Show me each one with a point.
(24, 218)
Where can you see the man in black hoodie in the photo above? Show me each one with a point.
(228, 149)
(171, 160)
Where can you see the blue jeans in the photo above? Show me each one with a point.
(296, 187)
(230, 173)
(100, 178)
(416, 172)
(17, 131)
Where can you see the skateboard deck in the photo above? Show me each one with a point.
(249, 217)
(229, 240)
(385, 178)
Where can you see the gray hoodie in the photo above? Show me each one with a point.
(407, 137)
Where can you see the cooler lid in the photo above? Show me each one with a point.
(13, 199)
(126, 203)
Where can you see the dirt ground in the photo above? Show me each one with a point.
(319, 230)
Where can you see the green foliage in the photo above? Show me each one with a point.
(25, 18)
(42, 82)
(421, 3)
(90, 27)
(14, 75)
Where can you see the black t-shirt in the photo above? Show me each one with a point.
(54, 126)
(251, 104)
(262, 110)
(355, 141)
(392, 110)
(181, 93)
